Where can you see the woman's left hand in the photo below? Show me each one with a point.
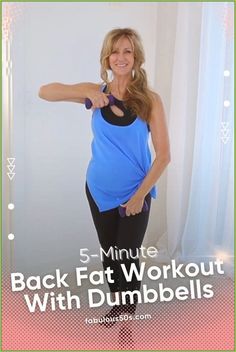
(133, 206)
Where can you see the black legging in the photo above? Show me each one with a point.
(124, 233)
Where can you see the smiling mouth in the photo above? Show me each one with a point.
(121, 65)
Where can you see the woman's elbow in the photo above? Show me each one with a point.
(41, 93)
(164, 159)
(47, 92)
(167, 158)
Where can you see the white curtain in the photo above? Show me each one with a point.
(200, 175)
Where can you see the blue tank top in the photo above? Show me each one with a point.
(120, 160)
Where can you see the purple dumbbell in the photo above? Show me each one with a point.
(88, 103)
(122, 210)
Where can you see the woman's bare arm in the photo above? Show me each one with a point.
(74, 92)
(160, 142)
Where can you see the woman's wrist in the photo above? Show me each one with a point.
(139, 196)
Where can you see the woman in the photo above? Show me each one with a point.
(120, 174)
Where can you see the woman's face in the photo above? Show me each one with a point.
(121, 60)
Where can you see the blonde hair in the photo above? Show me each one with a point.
(138, 97)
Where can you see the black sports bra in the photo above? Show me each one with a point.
(114, 119)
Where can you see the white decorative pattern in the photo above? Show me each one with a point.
(11, 166)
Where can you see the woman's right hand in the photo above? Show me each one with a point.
(98, 99)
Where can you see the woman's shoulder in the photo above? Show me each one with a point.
(155, 96)
(156, 100)
(98, 85)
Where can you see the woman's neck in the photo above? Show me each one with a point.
(118, 87)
